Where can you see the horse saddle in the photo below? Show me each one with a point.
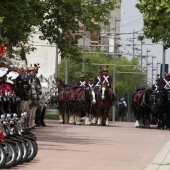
(138, 96)
(76, 95)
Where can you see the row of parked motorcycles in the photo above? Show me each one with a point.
(17, 143)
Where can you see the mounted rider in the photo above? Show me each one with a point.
(97, 79)
(156, 85)
(82, 83)
(108, 79)
(165, 83)
(91, 84)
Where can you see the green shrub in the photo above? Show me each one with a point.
(51, 116)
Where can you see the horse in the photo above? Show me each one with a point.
(60, 97)
(163, 102)
(142, 106)
(80, 104)
(104, 101)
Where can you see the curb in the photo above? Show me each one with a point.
(162, 159)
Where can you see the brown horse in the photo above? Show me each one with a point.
(80, 104)
(104, 101)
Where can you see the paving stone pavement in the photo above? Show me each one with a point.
(120, 146)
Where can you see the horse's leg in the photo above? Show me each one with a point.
(87, 121)
(72, 114)
(107, 117)
(99, 117)
(60, 115)
(94, 114)
(78, 117)
(66, 116)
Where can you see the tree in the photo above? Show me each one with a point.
(125, 82)
(62, 19)
(156, 16)
(19, 17)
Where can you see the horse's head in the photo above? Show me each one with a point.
(105, 93)
(162, 97)
(90, 94)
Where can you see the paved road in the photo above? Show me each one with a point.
(118, 147)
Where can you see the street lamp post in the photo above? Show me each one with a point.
(141, 52)
(147, 51)
(114, 69)
(157, 69)
(152, 67)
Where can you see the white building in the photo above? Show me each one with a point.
(45, 55)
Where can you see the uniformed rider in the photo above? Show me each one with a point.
(91, 85)
(82, 83)
(108, 79)
(156, 85)
(97, 79)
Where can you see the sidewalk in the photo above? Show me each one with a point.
(162, 159)
(120, 146)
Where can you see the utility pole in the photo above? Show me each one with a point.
(152, 67)
(66, 70)
(141, 52)
(133, 44)
(147, 51)
(157, 70)
(114, 70)
(163, 61)
(56, 62)
(83, 54)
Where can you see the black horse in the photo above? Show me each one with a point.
(141, 102)
(163, 108)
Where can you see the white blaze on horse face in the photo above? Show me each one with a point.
(93, 97)
(103, 90)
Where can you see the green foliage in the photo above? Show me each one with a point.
(63, 18)
(51, 116)
(19, 17)
(125, 82)
(75, 68)
(57, 19)
(156, 16)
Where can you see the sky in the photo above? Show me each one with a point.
(131, 20)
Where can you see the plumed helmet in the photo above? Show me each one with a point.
(100, 70)
(106, 69)
(168, 75)
(91, 79)
(82, 75)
